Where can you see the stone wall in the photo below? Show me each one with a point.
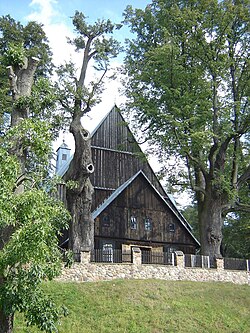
(101, 272)
(86, 271)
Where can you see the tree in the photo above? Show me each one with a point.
(188, 82)
(77, 98)
(30, 219)
(236, 236)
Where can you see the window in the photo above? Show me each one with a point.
(133, 223)
(64, 157)
(148, 224)
(105, 221)
(171, 227)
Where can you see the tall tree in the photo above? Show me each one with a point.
(77, 98)
(30, 220)
(188, 82)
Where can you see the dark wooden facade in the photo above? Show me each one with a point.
(137, 215)
(127, 191)
(118, 158)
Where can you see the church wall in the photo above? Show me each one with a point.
(154, 223)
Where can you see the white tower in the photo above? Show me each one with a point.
(63, 155)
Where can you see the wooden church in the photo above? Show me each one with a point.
(130, 206)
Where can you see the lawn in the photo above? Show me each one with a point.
(150, 306)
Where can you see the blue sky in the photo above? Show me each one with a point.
(62, 10)
(56, 15)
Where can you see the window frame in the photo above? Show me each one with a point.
(171, 227)
(148, 224)
(133, 222)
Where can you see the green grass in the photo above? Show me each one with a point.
(150, 306)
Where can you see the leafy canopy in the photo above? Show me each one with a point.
(188, 82)
(32, 254)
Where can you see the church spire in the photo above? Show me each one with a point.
(63, 155)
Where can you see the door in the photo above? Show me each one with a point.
(169, 255)
(107, 252)
(146, 255)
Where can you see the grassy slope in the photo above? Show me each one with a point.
(151, 306)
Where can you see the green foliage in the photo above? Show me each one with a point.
(179, 49)
(103, 47)
(30, 218)
(17, 41)
(145, 306)
(236, 235)
(68, 258)
(43, 104)
(8, 174)
(191, 215)
(187, 80)
(15, 55)
(76, 95)
(17, 44)
(32, 254)
(34, 136)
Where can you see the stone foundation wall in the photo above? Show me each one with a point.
(87, 271)
(93, 272)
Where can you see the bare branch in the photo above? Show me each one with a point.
(244, 177)
(94, 88)
(85, 61)
(221, 155)
(237, 207)
(20, 181)
(198, 164)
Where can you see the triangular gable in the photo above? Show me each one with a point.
(107, 135)
(122, 188)
(113, 133)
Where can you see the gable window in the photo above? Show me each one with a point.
(148, 224)
(133, 223)
(64, 157)
(171, 227)
(105, 221)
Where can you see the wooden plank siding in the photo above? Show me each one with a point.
(116, 156)
(113, 168)
(113, 133)
(141, 201)
(125, 185)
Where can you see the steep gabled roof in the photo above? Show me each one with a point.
(125, 185)
(113, 133)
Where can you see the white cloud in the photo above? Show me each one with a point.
(44, 12)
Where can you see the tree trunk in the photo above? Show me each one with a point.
(79, 196)
(21, 81)
(81, 231)
(6, 322)
(210, 222)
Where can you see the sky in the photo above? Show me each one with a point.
(56, 15)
